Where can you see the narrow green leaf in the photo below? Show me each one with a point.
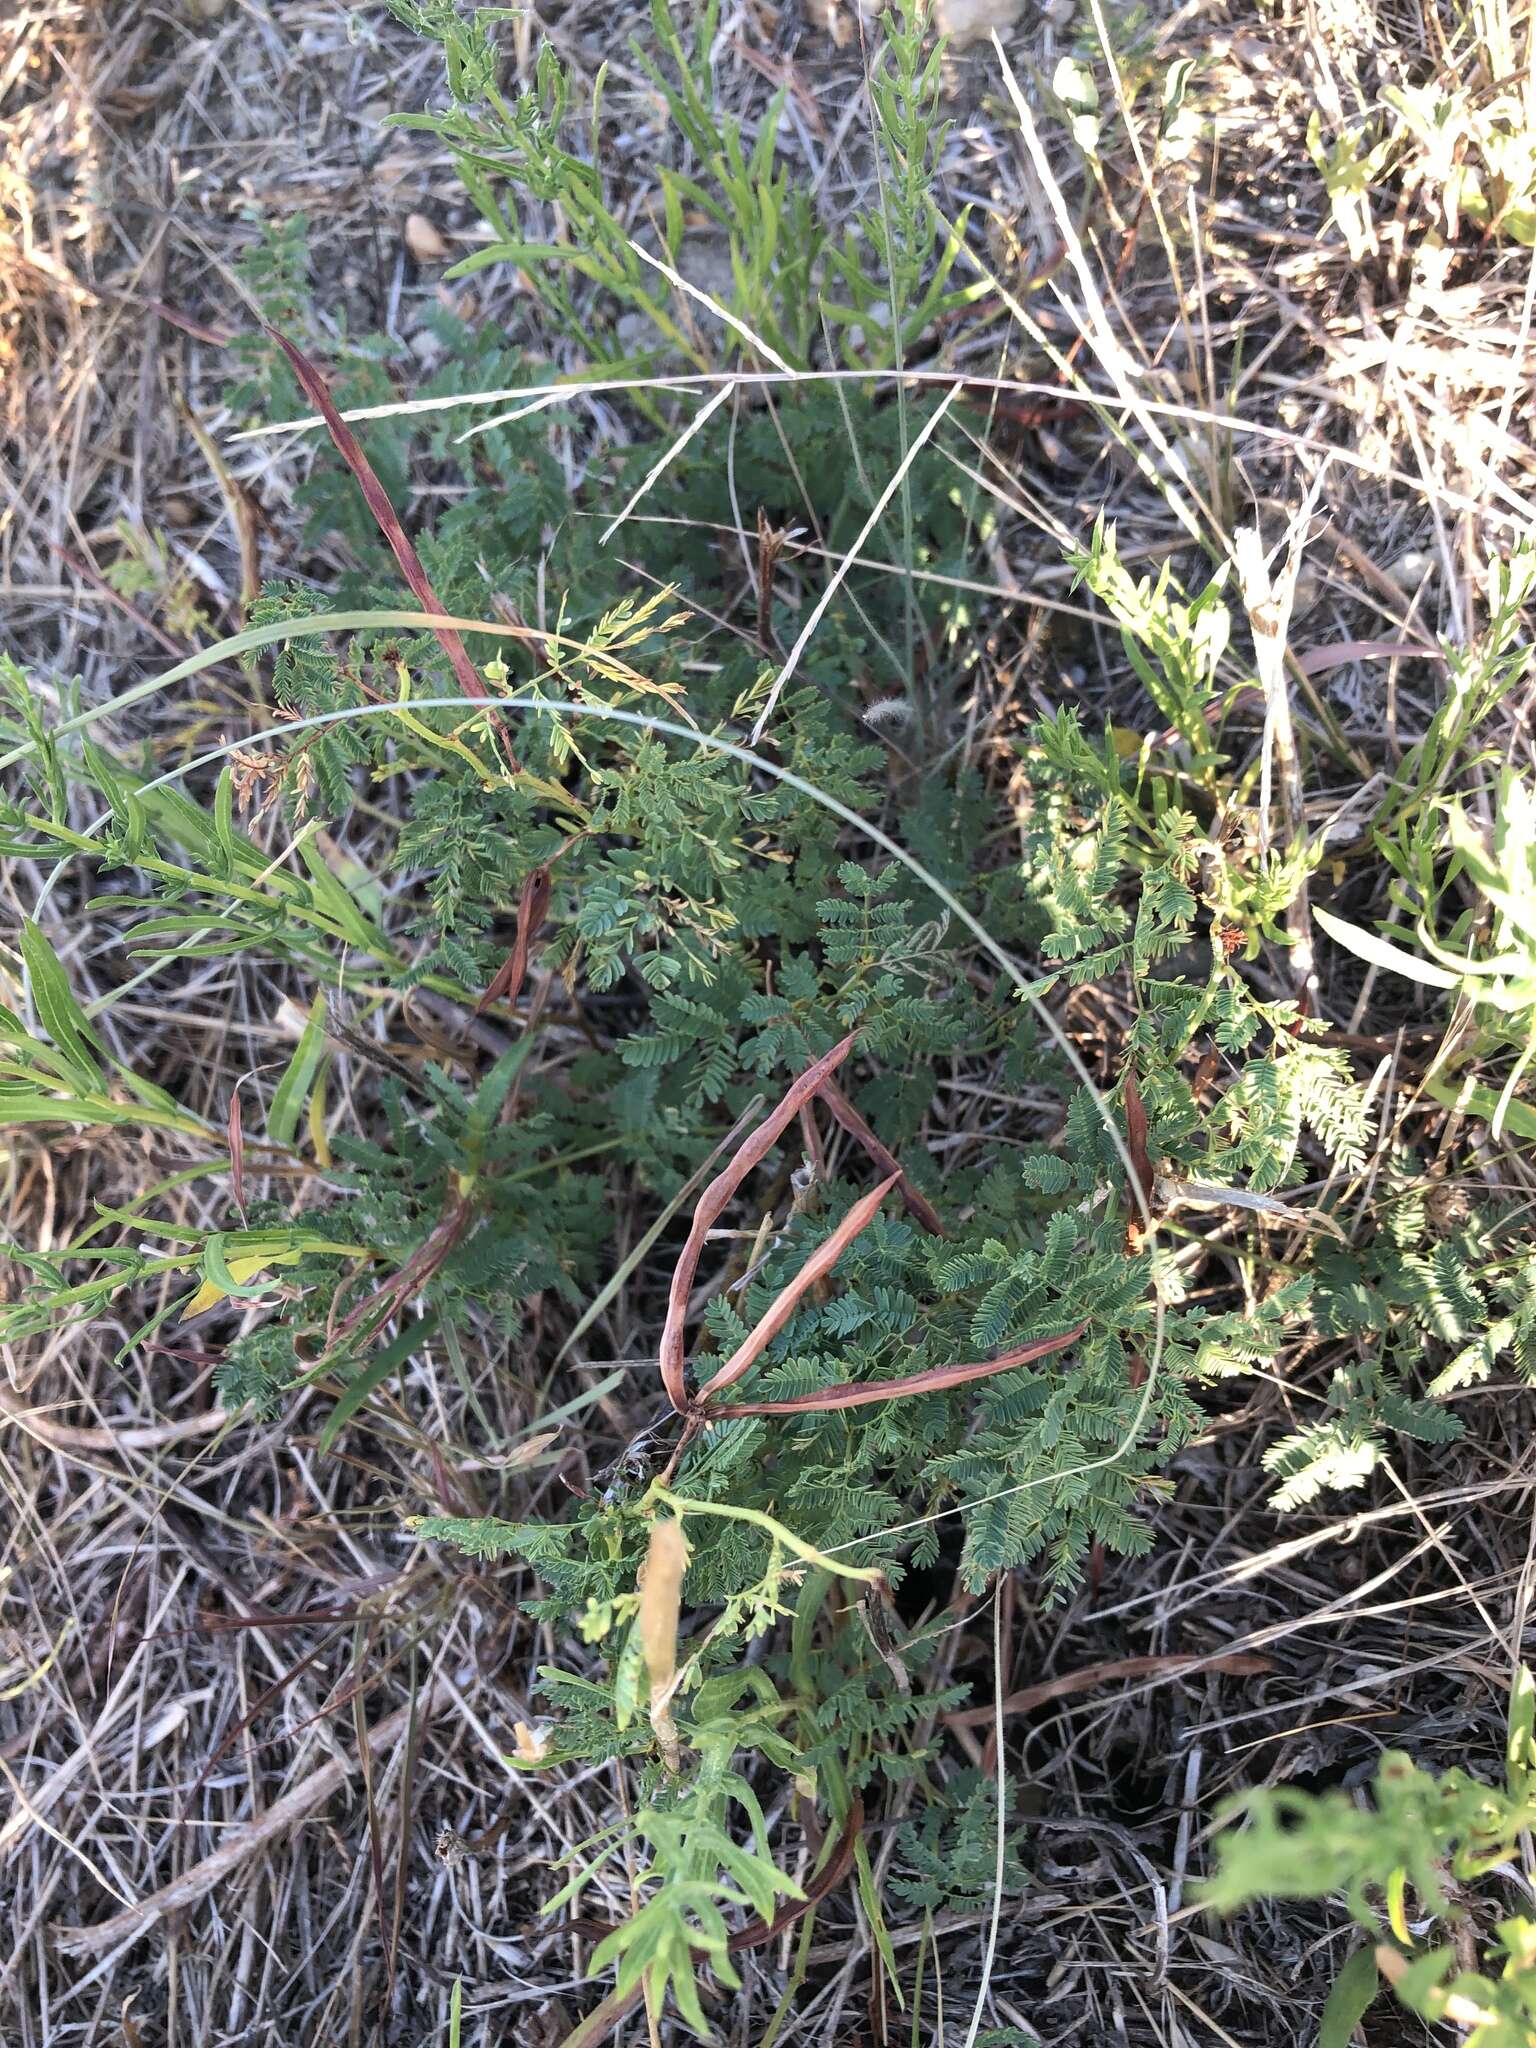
(628, 1676)
(26, 1106)
(62, 1017)
(333, 897)
(1475, 1100)
(492, 1093)
(870, 1896)
(1381, 952)
(128, 813)
(292, 1090)
(35, 1059)
(217, 1253)
(367, 1383)
(150, 1093)
(1353, 1991)
(224, 816)
(508, 252)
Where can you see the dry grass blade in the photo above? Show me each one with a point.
(237, 502)
(237, 1148)
(701, 297)
(712, 1204)
(418, 1269)
(116, 599)
(1269, 601)
(835, 580)
(989, 1955)
(637, 1255)
(664, 462)
(265, 1698)
(146, 1436)
(1113, 357)
(1136, 1135)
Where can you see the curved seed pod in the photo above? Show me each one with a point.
(937, 1379)
(713, 1201)
(856, 1127)
(532, 907)
(816, 1267)
(661, 1582)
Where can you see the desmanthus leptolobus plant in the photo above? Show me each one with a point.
(839, 1431)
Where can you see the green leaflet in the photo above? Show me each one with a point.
(1354, 1991)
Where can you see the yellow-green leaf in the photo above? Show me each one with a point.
(243, 1271)
(293, 1090)
(1381, 952)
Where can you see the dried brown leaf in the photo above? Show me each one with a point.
(423, 239)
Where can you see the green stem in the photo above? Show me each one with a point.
(790, 1541)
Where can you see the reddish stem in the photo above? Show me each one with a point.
(317, 391)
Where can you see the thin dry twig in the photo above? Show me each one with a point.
(133, 1436)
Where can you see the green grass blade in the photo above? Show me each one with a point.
(292, 1090)
(361, 1389)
